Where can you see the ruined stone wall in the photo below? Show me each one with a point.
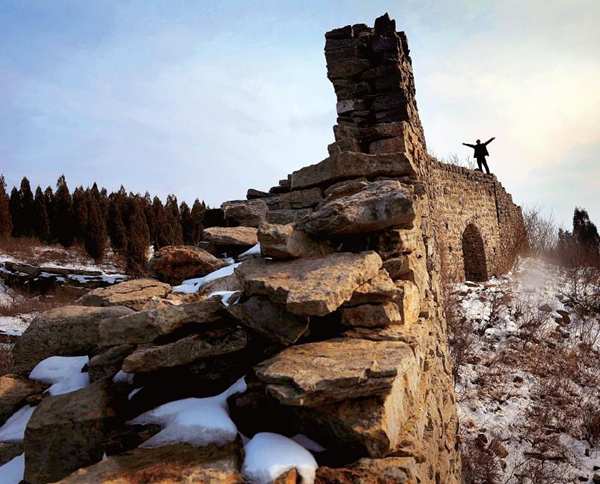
(379, 143)
(465, 202)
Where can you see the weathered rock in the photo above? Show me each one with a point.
(345, 188)
(108, 363)
(284, 242)
(68, 431)
(287, 216)
(135, 294)
(10, 450)
(311, 287)
(13, 392)
(175, 263)
(398, 470)
(295, 200)
(349, 164)
(146, 326)
(381, 204)
(334, 370)
(68, 330)
(380, 289)
(270, 320)
(409, 303)
(372, 315)
(253, 193)
(394, 242)
(179, 463)
(218, 342)
(411, 267)
(248, 213)
(227, 283)
(227, 236)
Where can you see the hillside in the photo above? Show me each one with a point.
(528, 383)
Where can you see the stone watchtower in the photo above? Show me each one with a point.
(371, 72)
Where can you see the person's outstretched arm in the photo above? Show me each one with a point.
(489, 141)
(469, 145)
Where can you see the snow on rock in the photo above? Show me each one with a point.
(224, 295)
(13, 471)
(196, 421)
(269, 455)
(64, 373)
(16, 325)
(190, 286)
(524, 381)
(13, 429)
(123, 377)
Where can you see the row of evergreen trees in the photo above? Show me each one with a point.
(94, 218)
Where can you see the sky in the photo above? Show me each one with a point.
(206, 99)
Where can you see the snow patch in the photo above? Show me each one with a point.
(190, 286)
(13, 429)
(269, 455)
(13, 471)
(64, 373)
(197, 421)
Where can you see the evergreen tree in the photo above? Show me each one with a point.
(138, 238)
(187, 226)
(116, 225)
(63, 213)
(149, 214)
(174, 220)
(41, 219)
(80, 213)
(5, 217)
(585, 231)
(162, 234)
(27, 209)
(16, 213)
(198, 210)
(49, 197)
(95, 234)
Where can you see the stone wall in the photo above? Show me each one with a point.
(465, 224)
(465, 202)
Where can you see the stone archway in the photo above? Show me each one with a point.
(474, 254)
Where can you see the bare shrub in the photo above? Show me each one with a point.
(540, 232)
(460, 331)
(591, 423)
(466, 162)
(480, 464)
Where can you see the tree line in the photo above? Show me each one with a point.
(92, 217)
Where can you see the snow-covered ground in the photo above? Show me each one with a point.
(528, 385)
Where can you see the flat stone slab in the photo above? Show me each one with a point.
(350, 164)
(134, 294)
(146, 326)
(178, 463)
(238, 236)
(269, 320)
(330, 371)
(377, 206)
(310, 286)
(67, 330)
(217, 342)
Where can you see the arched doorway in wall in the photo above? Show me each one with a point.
(474, 254)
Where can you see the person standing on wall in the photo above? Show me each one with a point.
(480, 153)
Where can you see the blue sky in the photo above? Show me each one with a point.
(206, 99)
